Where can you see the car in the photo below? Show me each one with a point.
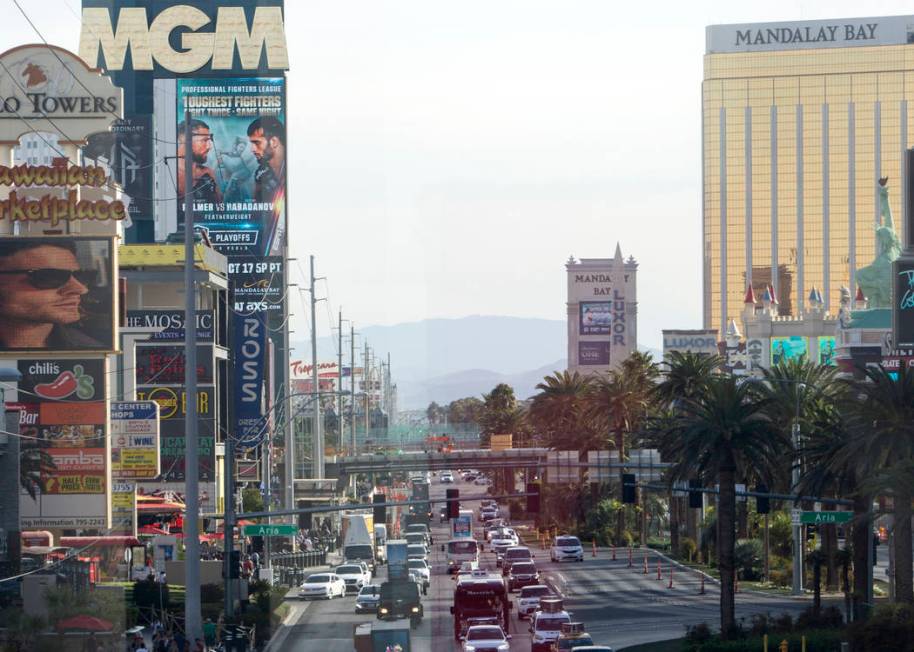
(421, 567)
(593, 648)
(546, 624)
(566, 547)
(446, 478)
(416, 576)
(367, 599)
(486, 637)
(419, 528)
(469, 476)
(354, 576)
(491, 526)
(529, 599)
(481, 480)
(488, 514)
(416, 551)
(322, 585)
(502, 533)
(573, 637)
(522, 573)
(515, 554)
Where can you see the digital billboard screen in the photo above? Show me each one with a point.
(596, 317)
(57, 294)
(239, 161)
(593, 353)
(787, 348)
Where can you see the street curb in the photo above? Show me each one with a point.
(285, 627)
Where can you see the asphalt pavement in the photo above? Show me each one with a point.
(620, 606)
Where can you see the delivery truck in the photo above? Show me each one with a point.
(397, 568)
(382, 637)
(358, 538)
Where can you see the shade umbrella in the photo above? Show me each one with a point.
(84, 624)
(150, 530)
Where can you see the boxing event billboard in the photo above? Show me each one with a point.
(57, 294)
(63, 447)
(239, 161)
(596, 317)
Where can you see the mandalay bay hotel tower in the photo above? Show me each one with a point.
(799, 122)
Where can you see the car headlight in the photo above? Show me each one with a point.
(469, 648)
(503, 647)
(415, 610)
(383, 610)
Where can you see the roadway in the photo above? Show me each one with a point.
(620, 606)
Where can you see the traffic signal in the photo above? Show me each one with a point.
(762, 503)
(696, 500)
(234, 565)
(453, 505)
(380, 511)
(628, 489)
(533, 498)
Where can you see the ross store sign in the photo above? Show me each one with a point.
(50, 89)
(182, 38)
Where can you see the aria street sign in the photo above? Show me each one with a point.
(825, 518)
(279, 530)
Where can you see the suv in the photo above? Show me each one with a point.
(515, 554)
(400, 600)
(354, 576)
(522, 573)
(529, 600)
(566, 547)
(546, 625)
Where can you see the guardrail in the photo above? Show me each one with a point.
(291, 568)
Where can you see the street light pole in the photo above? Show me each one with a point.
(317, 439)
(795, 481)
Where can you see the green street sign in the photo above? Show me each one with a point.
(825, 518)
(279, 530)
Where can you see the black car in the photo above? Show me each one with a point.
(400, 599)
(522, 573)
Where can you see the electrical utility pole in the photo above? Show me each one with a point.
(192, 616)
(339, 380)
(388, 397)
(352, 386)
(367, 376)
(317, 436)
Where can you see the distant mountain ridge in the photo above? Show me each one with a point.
(446, 359)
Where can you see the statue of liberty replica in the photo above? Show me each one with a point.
(876, 278)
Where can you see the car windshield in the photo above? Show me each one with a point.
(523, 569)
(462, 547)
(578, 641)
(567, 541)
(413, 537)
(418, 563)
(369, 590)
(534, 591)
(399, 591)
(348, 570)
(551, 623)
(318, 579)
(415, 550)
(480, 633)
(517, 553)
(358, 552)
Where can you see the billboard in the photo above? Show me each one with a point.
(172, 403)
(787, 348)
(827, 350)
(596, 317)
(903, 303)
(239, 153)
(127, 150)
(62, 422)
(164, 364)
(562, 466)
(593, 353)
(250, 344)
(259, 286)
(171, 323)
(702, 342)
(134, 440)
(123, 508)
(57, 294)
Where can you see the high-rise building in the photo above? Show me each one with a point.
(799, 122)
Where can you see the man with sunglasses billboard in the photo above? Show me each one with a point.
(43, 292)
(205, 188)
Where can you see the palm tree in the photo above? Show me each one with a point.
(725, 431)
(685, 375)
(882, 418)
(558, 411)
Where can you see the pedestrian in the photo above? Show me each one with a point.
(91, 644)
(142, 646)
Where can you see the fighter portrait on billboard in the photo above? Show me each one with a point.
(239, 162)
(56, 294)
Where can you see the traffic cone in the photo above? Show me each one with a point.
(670, 586)
(614, 553)
(701, 591)
(659, 572)
(644, 571)
(594, 547)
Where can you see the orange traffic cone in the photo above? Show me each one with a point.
(670, 586)
(594, 547)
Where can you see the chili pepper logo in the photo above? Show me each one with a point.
(68, 383)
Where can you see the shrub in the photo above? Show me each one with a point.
(624, 539)
(748, 558)
(828, 618)
(148, 596)
(889, 626)
(212, 593)
(688, 548)
(697, 635)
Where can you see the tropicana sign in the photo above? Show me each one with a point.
(149, 42)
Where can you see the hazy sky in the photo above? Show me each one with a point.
(447, 157)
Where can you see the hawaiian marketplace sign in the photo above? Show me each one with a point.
(48, 89)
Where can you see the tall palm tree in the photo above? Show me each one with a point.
(882, 417)
(724, 431)
(558, 411)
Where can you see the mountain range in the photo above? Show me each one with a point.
(446, 359)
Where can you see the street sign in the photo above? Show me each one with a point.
(278, 530)
(825, 518)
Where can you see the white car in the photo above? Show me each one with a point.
(546, 628)
(486, 637)
(566, 547)
(322, 585)
(529, 599)
(503, 535)
(482, 480)
(446, 478)
(416, 551)
(421, 567)
(354, 576)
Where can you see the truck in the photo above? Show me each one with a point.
(358, 538)
(462, 525)
(397, 567)
(380, 542)
(381, 637)
(420, 492)
(480, 599)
